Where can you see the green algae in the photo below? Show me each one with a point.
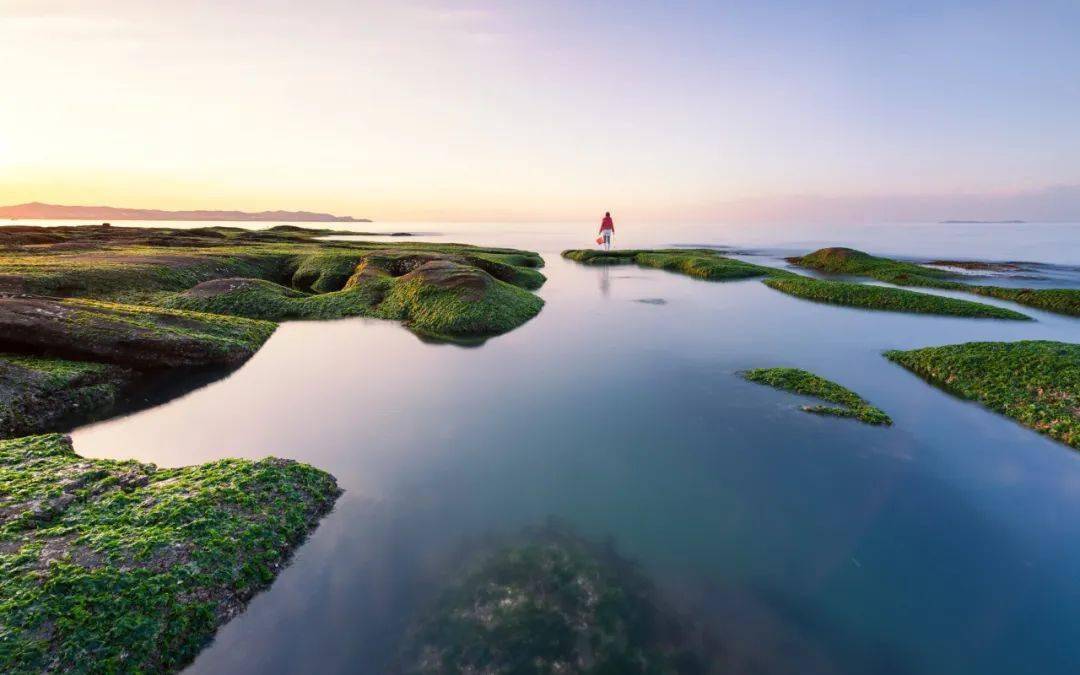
(118, 566)
(850, 261)
(804, 382)
(887, 298)
(1035, 382)
(701, 263)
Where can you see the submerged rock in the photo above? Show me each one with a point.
(552, 604)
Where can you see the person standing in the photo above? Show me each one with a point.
(607, 231)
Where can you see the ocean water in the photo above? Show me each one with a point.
(948, 543)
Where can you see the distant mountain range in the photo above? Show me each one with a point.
(37, 210)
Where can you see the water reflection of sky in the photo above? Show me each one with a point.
(947, 543)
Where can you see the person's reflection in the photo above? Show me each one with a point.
(605, 280)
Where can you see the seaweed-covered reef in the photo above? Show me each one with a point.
(839, 260)
(886, 298)
(553, 602)
(125, 302)
(711, 265)
(1036, 382)
(703, 263)
(849, 404)
(119, 566)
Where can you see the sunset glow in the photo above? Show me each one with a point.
(541, 110)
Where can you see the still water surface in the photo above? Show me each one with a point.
(947, 543)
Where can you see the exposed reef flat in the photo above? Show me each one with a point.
(888, 299)
(553, 603)
(804, 382)
(118, 566)
(850, 261)
(150, 299)
(702, 263)
(1035, 382)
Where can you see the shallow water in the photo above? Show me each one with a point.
(947, 543)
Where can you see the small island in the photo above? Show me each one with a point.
(800, 381)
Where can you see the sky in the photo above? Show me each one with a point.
(767, 110)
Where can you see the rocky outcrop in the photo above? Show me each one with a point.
(128, 335)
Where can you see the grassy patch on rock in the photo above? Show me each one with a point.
(840, 260)
(886, 298)
(1035, 382)
(696, 262)
(118, 566)
(551, 604)
(849, 404)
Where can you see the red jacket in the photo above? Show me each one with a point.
(607, 224)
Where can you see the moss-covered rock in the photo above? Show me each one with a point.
(887, 298)
(840, 260)
(1036, 382)
(38, 394)
(804, 382)
(117, 566)
(442, 298)
(435, 298)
